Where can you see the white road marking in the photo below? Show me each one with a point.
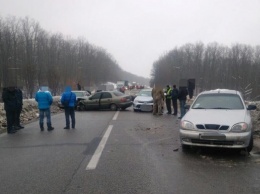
(116, 115)
(95, 158)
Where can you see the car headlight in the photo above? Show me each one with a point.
(240, 127)
(187, 125)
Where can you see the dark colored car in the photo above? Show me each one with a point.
(112, 100)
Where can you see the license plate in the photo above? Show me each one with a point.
(212, 136)
(146, 108)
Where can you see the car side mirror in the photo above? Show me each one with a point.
(251, 107)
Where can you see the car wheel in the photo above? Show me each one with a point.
(135, 110)
(113, 107)
(81, 107)
(185, 147)
(251, 144)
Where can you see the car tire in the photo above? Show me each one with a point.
(113, 107)
(251, 144)
(135, 110)
(81, 107)
(185, 147)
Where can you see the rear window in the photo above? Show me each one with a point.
(145, 93)
(118, 93)
(218, 101)
(79, 94)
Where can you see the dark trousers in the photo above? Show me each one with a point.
(10, 118)
(17, 116)
(168, 105)
(70, 112)
(175, 108)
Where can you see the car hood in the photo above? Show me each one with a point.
(209, 116)
(143, 98)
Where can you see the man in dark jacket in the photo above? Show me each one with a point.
(19, 104)
(9, 99)
(68, 99)
(182, 98)
(175, 93)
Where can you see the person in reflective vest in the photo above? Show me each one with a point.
(168, 98)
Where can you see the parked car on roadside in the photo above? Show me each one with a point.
(143, 100)
(112, 100)
(218, 118)
(80, 95)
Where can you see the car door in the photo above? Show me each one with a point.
(93, 101)
(105, 100)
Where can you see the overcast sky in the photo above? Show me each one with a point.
(138, 32)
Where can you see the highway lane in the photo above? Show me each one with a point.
(141, 154)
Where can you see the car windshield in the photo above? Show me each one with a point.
(79, 94)
(218, 101)
(145, 93)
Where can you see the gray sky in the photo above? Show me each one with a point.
(138, 32)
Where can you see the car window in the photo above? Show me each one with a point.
(106, 95)
(79, 94)
(96, 96)
(145, 93)
(118, 93)
(218, 101)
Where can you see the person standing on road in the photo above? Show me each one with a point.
(168, 98)
(68, 99)
(9, 99)
(44, 99)
(174, 100)
(19, 98)
(182, 98)
(158, 97)
(78, 86)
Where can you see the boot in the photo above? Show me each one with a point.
(41, 127)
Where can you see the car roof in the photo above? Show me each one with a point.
(147, 89)
(223, 91)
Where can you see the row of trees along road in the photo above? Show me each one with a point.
(31, 57)
(213, 66)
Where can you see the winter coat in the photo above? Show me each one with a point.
(175, 93)
(44, 99)
(69, 95)
(9, 99)
(19, 96)
(183, 92)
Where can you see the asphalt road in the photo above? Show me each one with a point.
(119, 152)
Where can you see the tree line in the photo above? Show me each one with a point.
(212, 66)
(31, 57)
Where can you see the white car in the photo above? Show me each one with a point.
(143, 101)
(218, 118)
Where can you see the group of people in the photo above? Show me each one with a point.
(13, 103)
(170, 96)
(44, 99)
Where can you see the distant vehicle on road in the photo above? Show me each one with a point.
(218, 118)
(143, 100)
(112, 100)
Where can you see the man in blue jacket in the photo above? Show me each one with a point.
(44, 99)
(68, 99)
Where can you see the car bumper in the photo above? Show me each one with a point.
(215, 139)
(147, 107)
(125, 105)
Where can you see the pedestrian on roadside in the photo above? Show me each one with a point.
(175, 92)
(19, 104)
(168, 99)
(158, 97)
(44, 99)
(78, 86)
(68, 99)
(9, 99)
(182, 98)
